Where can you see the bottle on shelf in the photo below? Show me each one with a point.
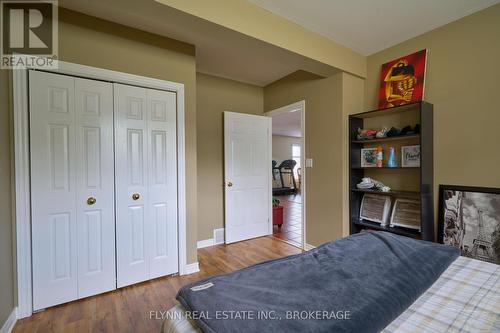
(380, 156)
(392, 158)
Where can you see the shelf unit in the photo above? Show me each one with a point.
(409, 183)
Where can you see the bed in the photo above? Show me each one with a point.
(409, 286)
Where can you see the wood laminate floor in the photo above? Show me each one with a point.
(128, 309)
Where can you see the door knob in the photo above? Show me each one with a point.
(229, 184)
(91, 201)
(135, 196)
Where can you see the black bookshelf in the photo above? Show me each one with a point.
(425, 171)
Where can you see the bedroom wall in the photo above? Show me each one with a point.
(7, 273)
(323, 136)
(462, 82)
(214, 96)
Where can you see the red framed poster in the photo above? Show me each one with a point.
(402, 80)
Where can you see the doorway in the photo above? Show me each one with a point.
(288, 173)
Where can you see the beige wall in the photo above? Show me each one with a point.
(6, 235)
(214, 96)
(282, 147)
(463, 83)
(323, 140)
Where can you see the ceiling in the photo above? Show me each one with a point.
(219, 51)
(369, 26)
(287, 124)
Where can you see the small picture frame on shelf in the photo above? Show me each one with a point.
(410, 156)
(406, 214)
(368, 157)
(375, 208)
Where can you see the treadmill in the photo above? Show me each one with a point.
(285, 167)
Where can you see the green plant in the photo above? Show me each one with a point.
(276, 202)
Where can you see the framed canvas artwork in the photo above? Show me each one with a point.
(368, 157)
(410, 156)
(469, 219)
(402, 80)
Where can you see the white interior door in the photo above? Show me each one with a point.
(247, 171)
(71, 160)
(53, 189)
(162, 168)
(95, 187)
(146, 183)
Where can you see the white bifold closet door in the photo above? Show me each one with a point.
(146, 183)
(72, 188)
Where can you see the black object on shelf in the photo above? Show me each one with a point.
(422, 135)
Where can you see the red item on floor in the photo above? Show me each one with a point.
(278, 215)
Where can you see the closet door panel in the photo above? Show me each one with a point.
(95, 183)
(53, 189)
(131, 139)
(162, 227)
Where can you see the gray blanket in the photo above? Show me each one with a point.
(356, 284)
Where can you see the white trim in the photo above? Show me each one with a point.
(21, 158)
(22, 191)
(270, 177)
(9, 324)
(211, 241)
(296, 107)
(206, 243)
(308, 247)
(191, 268)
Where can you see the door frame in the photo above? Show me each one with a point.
(22, 190)
(299, 106)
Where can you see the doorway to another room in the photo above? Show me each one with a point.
(288, 173)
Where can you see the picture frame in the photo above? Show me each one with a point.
(406, 214)
(410, 156)
(469, 219)
(375, 208)
(368, 157)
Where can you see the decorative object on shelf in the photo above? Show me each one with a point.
(402, 80)
(408, 130)
(382, 133)
(380, 156)
(368, 157)
(375, 208)
(410, 156)
(369, 183)
(393, 132)
(469, 219)
(366, 134)
(391, 163)
(406, 213)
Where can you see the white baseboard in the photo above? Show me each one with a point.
(205, 243)
(190, 269)
(309, 247)
(9, 324)
(216, 240)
